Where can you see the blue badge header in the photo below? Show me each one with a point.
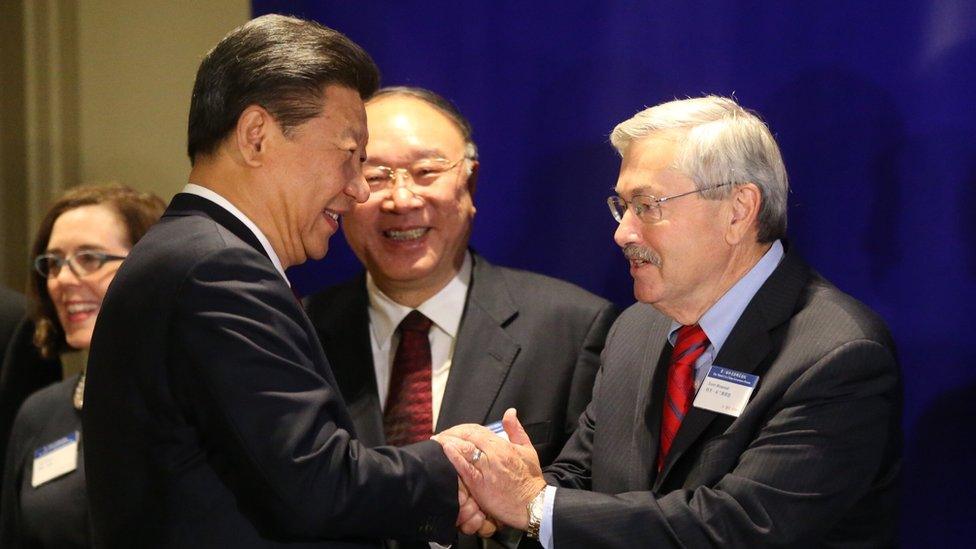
(733, 376)
(60, 443)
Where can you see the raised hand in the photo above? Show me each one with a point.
(502, 476)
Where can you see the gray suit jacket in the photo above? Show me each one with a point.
(526, 341)
(812, 461)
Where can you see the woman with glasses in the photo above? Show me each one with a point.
(77, 251)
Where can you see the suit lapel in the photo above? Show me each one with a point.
(484, 351)
(647, 417)
(344, 331)
(747, 346)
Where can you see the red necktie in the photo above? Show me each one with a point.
(408, 417)
(690, 345)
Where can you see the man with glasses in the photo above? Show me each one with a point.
(489, 337)
(745, 401)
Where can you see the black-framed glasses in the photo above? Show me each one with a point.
(81, 263)
(422, 172)
(647, 207)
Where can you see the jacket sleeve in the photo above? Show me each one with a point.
(247, 373)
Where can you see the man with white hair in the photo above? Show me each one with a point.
(745, 401)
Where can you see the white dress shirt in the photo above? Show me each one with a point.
(444, 309)
(210, 195)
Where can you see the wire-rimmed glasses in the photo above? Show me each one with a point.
(422, 172)
(647, 207)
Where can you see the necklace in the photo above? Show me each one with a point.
(79, 396)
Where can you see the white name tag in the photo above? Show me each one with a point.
(55, 459)
(725, 391)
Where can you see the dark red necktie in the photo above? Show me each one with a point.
(408, 416)
(690, 345)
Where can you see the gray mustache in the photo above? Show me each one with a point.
(633, 251)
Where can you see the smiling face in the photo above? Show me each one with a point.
(317, 175)
(679, 262)
(77, 300)
(411, 235)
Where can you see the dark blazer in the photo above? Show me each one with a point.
(54, 514)
(813, 460)
(525, 341)
(22, 370)
(212, 418)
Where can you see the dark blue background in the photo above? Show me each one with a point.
(872, 104)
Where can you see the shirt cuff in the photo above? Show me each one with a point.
(545, 527)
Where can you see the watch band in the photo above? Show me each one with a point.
(535, 514)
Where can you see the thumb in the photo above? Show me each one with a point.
(513, 428)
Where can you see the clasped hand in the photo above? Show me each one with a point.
(497, 479)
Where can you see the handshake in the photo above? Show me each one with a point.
(497, 478)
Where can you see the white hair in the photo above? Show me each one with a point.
(718, 142)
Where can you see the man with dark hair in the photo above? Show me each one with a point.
(493, 337)
(281, 64)
(211, 415)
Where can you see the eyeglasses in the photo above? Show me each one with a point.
(81, 263)
(422, 172)
(647, 208)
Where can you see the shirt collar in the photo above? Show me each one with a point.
(212, 196)
(444, 308)
(720, 318)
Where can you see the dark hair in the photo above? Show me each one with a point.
(446, 107)
(138, 211)
(280, 63)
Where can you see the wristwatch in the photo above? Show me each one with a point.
(535, 514)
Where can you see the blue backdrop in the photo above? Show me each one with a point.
(872, 103)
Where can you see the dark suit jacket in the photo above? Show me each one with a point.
(22, 370)
(525, 341)
(212, 418)
(813, 460)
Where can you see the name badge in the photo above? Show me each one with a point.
(725, 391)
(55, 459)
(498, 429)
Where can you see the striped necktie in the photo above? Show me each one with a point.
(690, 345)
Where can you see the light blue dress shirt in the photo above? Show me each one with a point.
(717, 323)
